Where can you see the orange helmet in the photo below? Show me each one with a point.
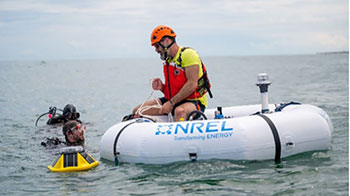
(159, 32)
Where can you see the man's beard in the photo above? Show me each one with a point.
(163, 55)
(80, 141)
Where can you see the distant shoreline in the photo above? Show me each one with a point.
(335, 52)
(44, 61)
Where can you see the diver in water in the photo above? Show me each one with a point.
(73, 132)
(69, 118)
(69, 113)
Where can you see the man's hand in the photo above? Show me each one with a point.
(157, 84)
(166, 108)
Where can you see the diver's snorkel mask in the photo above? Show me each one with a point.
(72, 115)
(70, 112)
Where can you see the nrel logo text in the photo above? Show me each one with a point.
(202, 130)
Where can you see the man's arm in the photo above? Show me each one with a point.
(55, 120)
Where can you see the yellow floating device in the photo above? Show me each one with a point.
(72, 159)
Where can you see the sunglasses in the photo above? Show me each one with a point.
(158, 44)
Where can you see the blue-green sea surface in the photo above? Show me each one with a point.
(105, 90)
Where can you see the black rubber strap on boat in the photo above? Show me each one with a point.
(116, 139)
(275, 136)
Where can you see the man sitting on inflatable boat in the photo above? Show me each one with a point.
(186, 79)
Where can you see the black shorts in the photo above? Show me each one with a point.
(198, 104)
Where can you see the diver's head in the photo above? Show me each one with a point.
(70, 112)
(74, 132)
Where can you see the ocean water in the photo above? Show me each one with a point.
(105, 90)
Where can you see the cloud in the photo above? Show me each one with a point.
(122, 28)
(330, 40)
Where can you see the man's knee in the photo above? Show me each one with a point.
(183, 110)
(180, 111)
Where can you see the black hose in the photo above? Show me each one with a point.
(197, 115)
(36, 123)
(52, 111)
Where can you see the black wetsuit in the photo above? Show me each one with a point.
(55, 141)
(58, 120)
(52, 141)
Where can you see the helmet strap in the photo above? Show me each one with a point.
(166, 49)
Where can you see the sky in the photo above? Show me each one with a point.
(93, 29)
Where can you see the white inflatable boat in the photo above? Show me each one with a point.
(253, 132)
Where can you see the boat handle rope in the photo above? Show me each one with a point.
(144, 108)
(115, 152)
(275, 136)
